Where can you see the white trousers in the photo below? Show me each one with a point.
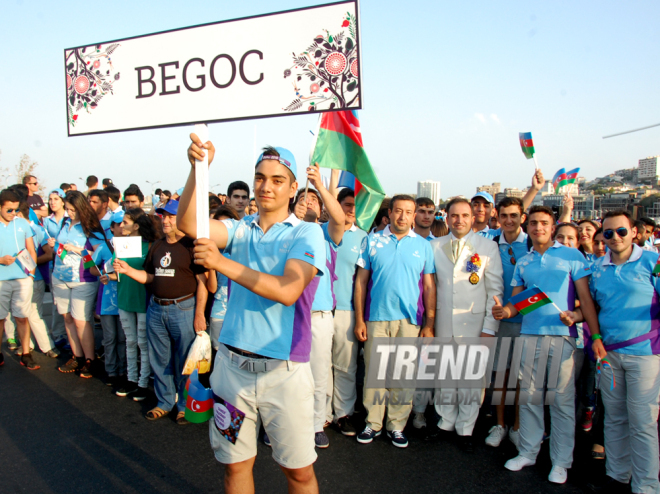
(320, 358)
(342, 391)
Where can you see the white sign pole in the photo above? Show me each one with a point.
(202, 185)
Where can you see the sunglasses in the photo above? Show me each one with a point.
(513, 259)
(32, 183)
(11, 211)
(609, 234)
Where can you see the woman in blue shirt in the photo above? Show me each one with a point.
(53, 224)
(74, 287)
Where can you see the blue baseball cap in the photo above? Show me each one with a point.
(58, 191)
(117, 217)
(285, 157)
(171, 207)
(484, 195)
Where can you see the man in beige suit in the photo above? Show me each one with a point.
(468, 275)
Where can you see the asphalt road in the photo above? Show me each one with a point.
(63, 434)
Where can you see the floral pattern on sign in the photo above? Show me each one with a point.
(90, 75)
(330, 64)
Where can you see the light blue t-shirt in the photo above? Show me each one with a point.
(220, 296)
(397, 268)
(40, 239)
(71, 269)
(325, 296)
(489, 232)
(347, 256)
(12, 241)
(510, 254)
(52, 225)
(554, 272)
(256, 324)
(109, 300)
(627, 295)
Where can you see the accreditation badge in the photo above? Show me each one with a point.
(228, 419)
(474, 278)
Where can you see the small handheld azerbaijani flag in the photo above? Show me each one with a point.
(530, 300)
(60, 251)
(87, 260)
(563, 177)
(527, 144)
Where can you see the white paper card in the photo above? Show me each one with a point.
(108, 267)
(26, 260)
(127, 247)
(202, 186)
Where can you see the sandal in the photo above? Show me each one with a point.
(181, 418)
(156, 413)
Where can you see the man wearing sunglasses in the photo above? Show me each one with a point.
(561, 273)
(513, 244)
(34, 200)
(626, 289)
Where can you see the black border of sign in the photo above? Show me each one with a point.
(357, 28)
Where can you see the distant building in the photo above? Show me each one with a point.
(492, 189)
(583, 205)
(647, 170)
(430, 189)
(509, 192)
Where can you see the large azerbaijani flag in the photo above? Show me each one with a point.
(529, 300)
(563, 177)
(339, 146)
(526, 144)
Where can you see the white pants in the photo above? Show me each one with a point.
(631, 419)
(562, 410)
(342, 383)
(135, 329)
(320, 359)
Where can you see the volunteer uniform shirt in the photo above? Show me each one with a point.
(345, 266)
(325, 295)
(220, 297)
(489, 233)
(52, 225)
(107, 303)
(554, 272)
(510, 255)
(397, 268)
(174, 269)
(40, 239)
(71, 269)
(256, 324)
(627, 295)
(12, 241)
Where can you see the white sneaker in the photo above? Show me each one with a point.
(518, 463)
(514, 437)
(558, 475)
(419, 421)
(495, 435)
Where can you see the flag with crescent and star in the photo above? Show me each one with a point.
(526, 144)
(199, 400)
(529, 300)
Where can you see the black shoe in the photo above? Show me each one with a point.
(609, 486)
(435, 433)
(345, 426)
(466, 444)
(26, 360)
(111, 381)
(140, 394)
(86, 369)
(129, 388)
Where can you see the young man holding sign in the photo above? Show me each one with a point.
(262, 367)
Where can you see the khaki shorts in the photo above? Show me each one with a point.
(283, 399)
(15, 296)
(76, 297)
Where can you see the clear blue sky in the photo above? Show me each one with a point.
(447, 87)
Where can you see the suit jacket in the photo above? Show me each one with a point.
(464, 308)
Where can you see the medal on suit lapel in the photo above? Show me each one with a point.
(473, 266)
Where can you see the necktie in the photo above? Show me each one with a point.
(457, 248)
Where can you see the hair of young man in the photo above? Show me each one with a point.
(9, 195)
(382, 213)
(24, 208)
(91, 180)
(100, 193)
(133, 190)
(145, 225)
(640, 225)
(86, 215)
(344, 193)
(113, 193)
(225, 210)
(301, 192)
(511, 201)
(457, 200)
(271, 151)
(158, 192)
(543, 210)
(238, 185)
(424, 202)
(622, 212)
(648, 221)
(65, 186)
(27, 178)
(400, 197)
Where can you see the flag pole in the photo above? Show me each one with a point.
(311, 153)
(536, 163)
